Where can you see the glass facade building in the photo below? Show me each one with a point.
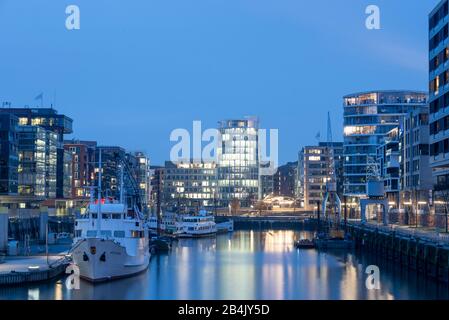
(238, 164)
(439, 93)
(368, 117)
(49, 120)
(8, 155)
(37, 150)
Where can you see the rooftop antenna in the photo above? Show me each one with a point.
(329, 129)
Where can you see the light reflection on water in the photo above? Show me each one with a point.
(247, 265)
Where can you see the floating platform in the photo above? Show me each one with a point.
(20, 270)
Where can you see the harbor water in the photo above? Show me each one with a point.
(248, 264)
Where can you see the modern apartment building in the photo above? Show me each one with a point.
(439, 93)
(368, 117)
(238, 164)
(314, 170)
(190, 186)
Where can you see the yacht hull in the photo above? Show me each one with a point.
(103, 260)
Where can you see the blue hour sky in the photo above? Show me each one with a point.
(138, 69)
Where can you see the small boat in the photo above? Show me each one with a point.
(200, 225)
(336, 239)
(304, 244)
(159, 244)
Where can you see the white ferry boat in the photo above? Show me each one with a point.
(110, 240)
(200, 225)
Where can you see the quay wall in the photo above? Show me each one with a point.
(427, 257)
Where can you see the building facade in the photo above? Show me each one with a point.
(284, 180)
(190, 186)
(314, 171)
(49, 120)
(439, 93)
(238, 164)
(9, 160)
(37, 161)
(389, 160)
(83, 166)
(368, 117)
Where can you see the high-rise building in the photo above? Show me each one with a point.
(368, 117)
(238, 164)
(315, 169)
(9, 160)
(439, 93)
(83, 166)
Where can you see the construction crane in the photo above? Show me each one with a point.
(331, 204)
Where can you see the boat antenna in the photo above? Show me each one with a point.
(121, 184)
(99, 191)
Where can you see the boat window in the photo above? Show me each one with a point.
(116, 216)
(136, 234)
(106, 216)
(77, 233)
(107, 233)
(119, 234)
(91, 233)
(94, 216)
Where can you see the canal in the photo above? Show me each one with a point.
(248, 265)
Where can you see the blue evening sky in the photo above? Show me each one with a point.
(138, 69)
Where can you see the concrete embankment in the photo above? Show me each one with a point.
(14, 271)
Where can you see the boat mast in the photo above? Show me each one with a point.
(99, 192)
(121, 184)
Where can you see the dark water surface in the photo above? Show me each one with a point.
(248, 265)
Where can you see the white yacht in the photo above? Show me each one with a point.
(200, 225)
(110, 241)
